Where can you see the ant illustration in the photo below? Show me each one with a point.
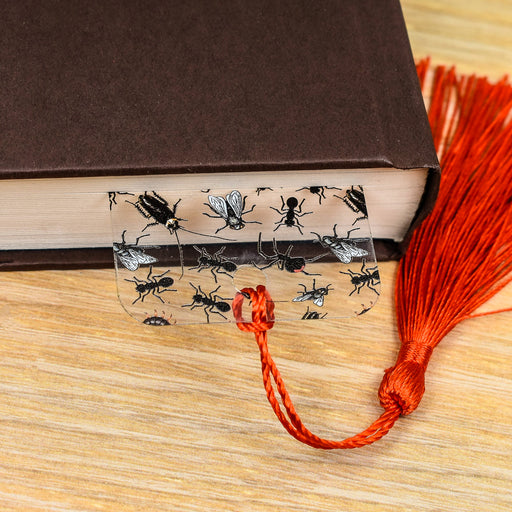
(154, 284)
(368, 277)
(209, 302)
(315, 294)
(292, 212)
(318, 191)
(283, 260)
(215, 262)
(159, 320)
(354, 199)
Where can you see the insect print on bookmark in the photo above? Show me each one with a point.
(188, 252)
(314, 293)
(130, 255)
(159, 320)
(366, 277)
(216, 262)
(230, 209)
(354, 199)
(154, 284)
(290, 213)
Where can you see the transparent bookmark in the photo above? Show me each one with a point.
(181, 256)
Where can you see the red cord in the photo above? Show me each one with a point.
(262, 321)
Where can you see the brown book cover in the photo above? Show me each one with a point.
(161, 88)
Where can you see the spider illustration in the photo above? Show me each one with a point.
(284, 261)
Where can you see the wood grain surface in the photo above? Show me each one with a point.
(98, 412)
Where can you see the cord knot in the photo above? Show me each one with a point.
(403, 385)
(262, 309)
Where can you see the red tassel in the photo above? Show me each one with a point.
(462, 254)
(458, 258)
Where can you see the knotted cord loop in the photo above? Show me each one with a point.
(262, 310)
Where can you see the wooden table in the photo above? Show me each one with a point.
(100, 413)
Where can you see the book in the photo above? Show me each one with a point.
(197, 95)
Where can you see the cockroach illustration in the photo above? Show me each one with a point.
(354, 199)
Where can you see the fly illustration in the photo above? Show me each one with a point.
(230, 209)
(315, 294)
(130, 255)
(343, 248)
